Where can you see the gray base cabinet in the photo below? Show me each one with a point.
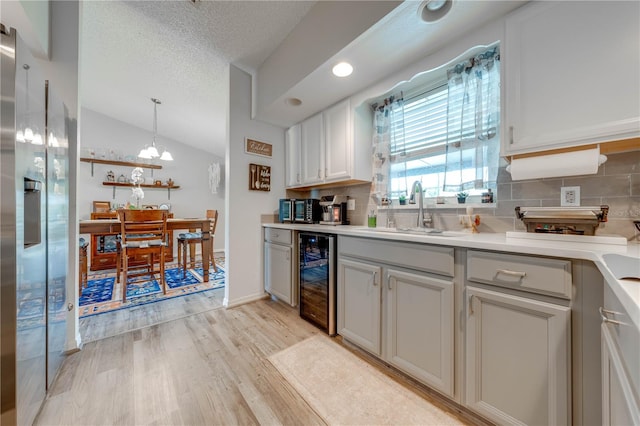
(279, 276)
(359, 304)
(391, 304)
(619, 405)
(420, 327)
(620, 364)
(517, 358)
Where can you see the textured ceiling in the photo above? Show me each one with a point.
(178, 52)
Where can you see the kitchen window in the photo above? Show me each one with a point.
(445, 135)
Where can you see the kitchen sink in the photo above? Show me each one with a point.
(623, 267)
(415, 231)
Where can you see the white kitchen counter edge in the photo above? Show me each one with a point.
(627, 291)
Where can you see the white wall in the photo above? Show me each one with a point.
(189, 170)
(244, 207)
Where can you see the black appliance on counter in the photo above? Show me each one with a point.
(307, 210)
(317, 278)
(285, 211)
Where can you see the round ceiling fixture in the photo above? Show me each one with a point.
(343, 69)
(434, 10)
(293, 101)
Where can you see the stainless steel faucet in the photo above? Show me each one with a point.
(422, 222)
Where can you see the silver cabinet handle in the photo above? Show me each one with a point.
(389, 282)
(318, 173)
(605, 318)
(298, 178)
(511, 273)
(288, 256)
(510, 135)
(470, 296)
(375, 278)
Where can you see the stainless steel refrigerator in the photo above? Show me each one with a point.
(34, 232)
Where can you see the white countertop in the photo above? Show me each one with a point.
(628, 291)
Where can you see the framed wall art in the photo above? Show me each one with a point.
(259, 177)
(252, 146)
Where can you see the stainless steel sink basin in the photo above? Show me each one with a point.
(415, 231)
(623, 267)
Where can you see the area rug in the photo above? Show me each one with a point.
(345, 390)
(103, 294)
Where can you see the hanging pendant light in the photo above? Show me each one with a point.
(150, 151)
(26, 134)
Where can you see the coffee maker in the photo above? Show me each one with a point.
(334, 210)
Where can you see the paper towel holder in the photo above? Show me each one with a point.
(601, 160)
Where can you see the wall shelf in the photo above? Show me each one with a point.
(120, 163)
(130, 185)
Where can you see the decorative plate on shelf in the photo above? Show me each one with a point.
(165, 206)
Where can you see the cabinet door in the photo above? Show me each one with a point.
(568, 84)
(420, 327)
(359, 304)
(338, 142)
(517, 359)
(312, 150)
(277, 272)
(619, 405)
(292, 156)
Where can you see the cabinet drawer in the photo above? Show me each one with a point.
(274, 235)
(436, 259)
(531, 274)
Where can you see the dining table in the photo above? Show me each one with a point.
(112, 226)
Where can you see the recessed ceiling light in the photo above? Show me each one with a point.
(293, 101)
(434, 10)
(342, 69)
(434, 5)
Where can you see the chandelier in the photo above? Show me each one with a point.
(150, 152)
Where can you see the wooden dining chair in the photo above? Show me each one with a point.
(143, 234)
(187, 240)
(101, 207)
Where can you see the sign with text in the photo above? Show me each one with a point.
(259, 177)
(252, 146)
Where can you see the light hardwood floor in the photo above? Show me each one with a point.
(109, 324)
(202, 369)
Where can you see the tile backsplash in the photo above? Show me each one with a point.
(617, 185)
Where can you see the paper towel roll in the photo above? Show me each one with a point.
(584, 162)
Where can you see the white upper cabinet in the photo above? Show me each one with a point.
(338, 146)
(312, 150)
(292, 156)
(571, 74)
(332, 148)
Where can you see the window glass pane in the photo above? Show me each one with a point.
(419, 137)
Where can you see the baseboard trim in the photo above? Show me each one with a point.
(73, 351)
(243, 300)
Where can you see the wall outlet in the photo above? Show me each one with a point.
(351, 204)
(570, 196)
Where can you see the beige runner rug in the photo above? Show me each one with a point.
(345, 390)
